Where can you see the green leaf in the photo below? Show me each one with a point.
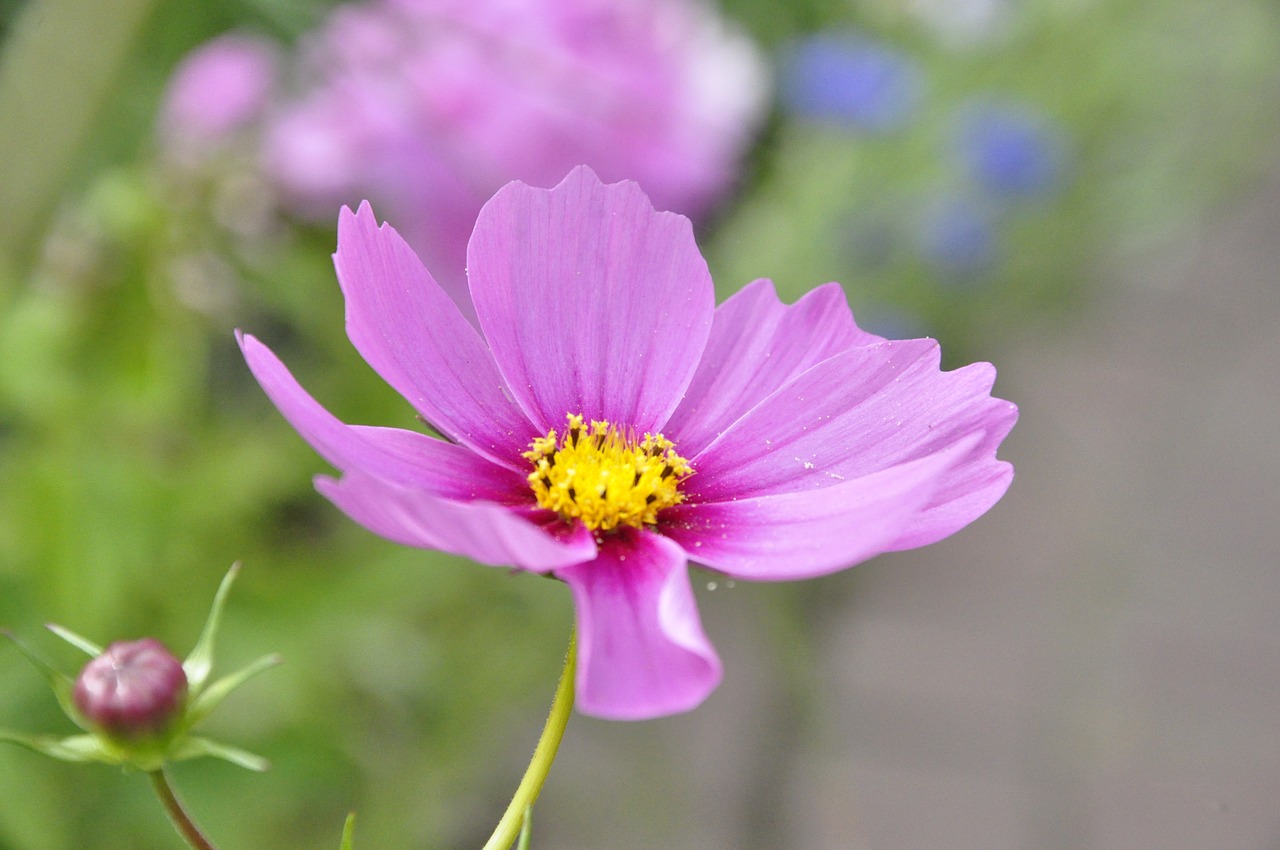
(193, 747)
(348, 832)
(75, 640)
(77, 748)
(211, 698)
(62, 684)
(200, 662)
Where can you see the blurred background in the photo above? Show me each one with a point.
(1086, 194)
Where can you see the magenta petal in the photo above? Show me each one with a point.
(591, 301)
(445, 469)
(411, 333)
(412, 459)
(757, 345)
(812, 532)
(966, 492)
(861, 411)
(483, 531)
(641, 649)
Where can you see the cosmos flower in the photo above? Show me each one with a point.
(607, 424)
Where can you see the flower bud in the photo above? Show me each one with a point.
(133, 691)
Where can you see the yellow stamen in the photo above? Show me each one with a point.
(604, 476)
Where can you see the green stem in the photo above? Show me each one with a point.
(513, 818)
(177, 814)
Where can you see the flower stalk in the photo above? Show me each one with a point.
(515, 819)
(178, 816)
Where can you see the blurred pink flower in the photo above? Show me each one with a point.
(218, 88)
(605, 423)
(427, 107)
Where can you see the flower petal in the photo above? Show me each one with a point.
(406, 457)
(811, 532)
(412, 334)
(861, 411)
(757, 345)
(967, 492)
(641, 649)
(591, 301)
(482, 531)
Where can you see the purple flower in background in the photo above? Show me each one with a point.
(606, 423)
(427, 107)
(851, 80)
(1010, 149)
(218, 89)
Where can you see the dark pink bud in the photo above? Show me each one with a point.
(133, 690)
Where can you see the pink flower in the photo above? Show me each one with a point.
(428, 107)
(218, 89)
(607, 424)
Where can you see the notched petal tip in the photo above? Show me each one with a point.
(255, 351)
(412, 333)
(624, 283)
(361, 234)
(362, 217)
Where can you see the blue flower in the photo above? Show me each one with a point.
(1010, 149)
(851, 80)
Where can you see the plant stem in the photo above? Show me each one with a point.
(177, 814)
(513, 818)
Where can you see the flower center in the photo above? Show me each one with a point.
(604, 476)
